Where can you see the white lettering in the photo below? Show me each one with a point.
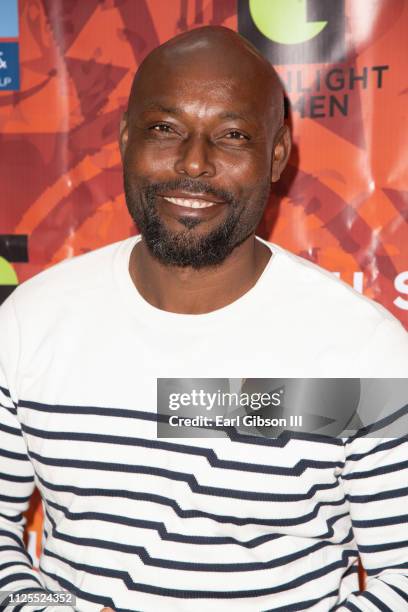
(401, 285)
(3, 63)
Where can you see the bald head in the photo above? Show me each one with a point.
(217, 50)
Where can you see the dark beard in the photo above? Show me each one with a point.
(184, 249)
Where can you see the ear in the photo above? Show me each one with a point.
(281, 152)
(123, 134)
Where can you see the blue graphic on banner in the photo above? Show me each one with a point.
(8, 18)
(9, 67)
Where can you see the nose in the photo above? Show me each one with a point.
(195, 158)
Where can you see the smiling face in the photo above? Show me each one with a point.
(201, 143)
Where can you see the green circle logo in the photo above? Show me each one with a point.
(7, 273)
(284, 21)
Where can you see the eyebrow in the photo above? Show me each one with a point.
(173, 110)
(233, 115)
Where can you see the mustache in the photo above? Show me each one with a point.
(189, 186)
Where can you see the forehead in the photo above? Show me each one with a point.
(202, 85)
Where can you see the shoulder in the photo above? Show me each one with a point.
(332, 314)
(76, 287)
(74, 277)
(322, 289)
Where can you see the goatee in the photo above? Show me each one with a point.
(186, 248)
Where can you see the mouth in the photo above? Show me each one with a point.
(184, 206)
(191, 202)
(191, 199)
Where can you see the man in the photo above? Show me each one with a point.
(134, 522)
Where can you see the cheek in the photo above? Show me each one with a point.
(255, 195)
(249, 184)
(138, 163)
(145, 160)
(247, 169)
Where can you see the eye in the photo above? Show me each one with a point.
(236, 135)
(160, 127)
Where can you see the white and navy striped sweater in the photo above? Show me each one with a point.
(238, 523)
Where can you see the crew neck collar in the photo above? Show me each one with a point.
(143, 309)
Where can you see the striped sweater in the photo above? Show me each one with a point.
(139, 523)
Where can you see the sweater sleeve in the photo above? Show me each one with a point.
(375, 479)
(16, 474)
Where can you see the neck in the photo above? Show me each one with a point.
(190, 291)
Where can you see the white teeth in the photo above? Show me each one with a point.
(190, 202)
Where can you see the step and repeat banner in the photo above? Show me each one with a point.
(66, 67)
